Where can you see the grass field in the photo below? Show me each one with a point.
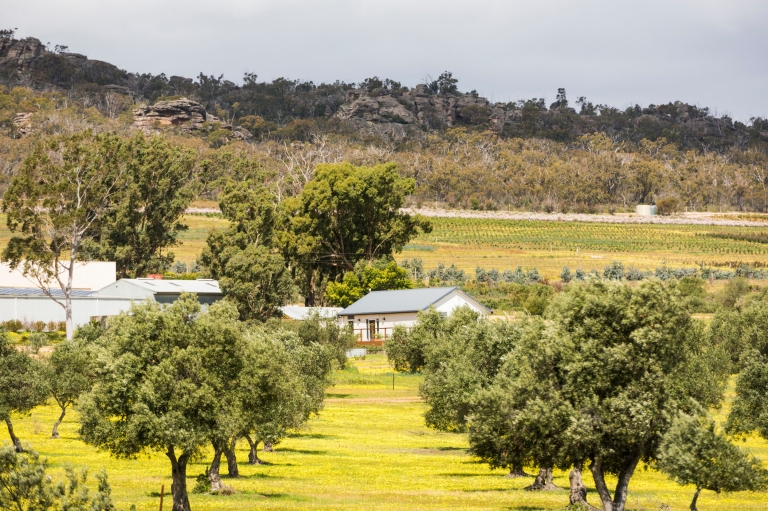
(368, 450)
(548, 246)
(506, 244)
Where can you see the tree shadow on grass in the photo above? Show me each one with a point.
(303, 451)
(338, 396)
(312, 435)
(469, 475)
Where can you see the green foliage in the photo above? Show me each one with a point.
(668, 206)
(327, 332)
(743, 332)
(463, 358)
(21, 384)
(64, 188)
(347, 214)
(380, 276)
(25, 486)
(750, 407)
(159, 182)
(251, 273)
(162, 378)
(69, 373)
(595, 381)
(732, 292)
(693, 452)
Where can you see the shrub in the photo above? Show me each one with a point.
(667, 206)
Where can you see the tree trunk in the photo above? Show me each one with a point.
(619, 499)
(578, 496)
(253, 457)
(55, 433)
(543, 481)
(695, 498)
(179, 485)
(309, 300)
(517, 471)
(268, 447)
(70, 326)
(229, 452)
(16, 442)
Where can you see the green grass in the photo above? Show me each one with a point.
(369, 449)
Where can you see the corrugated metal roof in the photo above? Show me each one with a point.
(301, 313)
(177, 286)
(402, 300)
(33, 291)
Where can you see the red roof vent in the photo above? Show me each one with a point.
(156, 276)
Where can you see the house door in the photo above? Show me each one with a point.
(373, 328)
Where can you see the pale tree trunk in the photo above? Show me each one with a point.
(68, 295)
(695, 498)
(179, 477)
(56, 424)
(543, 481)
(229, 452)
(214, 476)
(16, 442)
(268, 447)
(619, 499)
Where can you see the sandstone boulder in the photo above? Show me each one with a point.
(185, 113)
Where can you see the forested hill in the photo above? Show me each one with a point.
(375, 107)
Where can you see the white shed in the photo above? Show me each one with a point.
(375, 315)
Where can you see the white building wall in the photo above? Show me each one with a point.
(453, 301)
(384, 327)
(91, 276)
(42, 308)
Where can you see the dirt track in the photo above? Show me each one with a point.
(620, 218)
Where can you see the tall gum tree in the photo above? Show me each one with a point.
(61, 191)
(346, 214)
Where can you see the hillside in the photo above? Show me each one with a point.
(382, 107)
(462, 150)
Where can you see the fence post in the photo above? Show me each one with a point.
(162, 494)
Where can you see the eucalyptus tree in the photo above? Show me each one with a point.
(346, 214)
(161, 179)
(63, 189)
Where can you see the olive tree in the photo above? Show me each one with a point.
(693, 452)
(21, 384)
(68, 373)
(599, 382)
(162, 373)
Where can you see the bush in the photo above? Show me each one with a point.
(37, 340)
(668, 206)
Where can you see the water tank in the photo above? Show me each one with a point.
(645, 210)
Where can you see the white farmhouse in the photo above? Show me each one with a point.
(375, 315)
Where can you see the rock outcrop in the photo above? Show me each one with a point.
(418, 107)
(23, 123)
(183, 113)
(20, 54)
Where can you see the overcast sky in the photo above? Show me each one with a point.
(618, 52)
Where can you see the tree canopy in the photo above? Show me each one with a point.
(693, 452)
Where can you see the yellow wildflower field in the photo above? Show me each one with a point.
(367, 450)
